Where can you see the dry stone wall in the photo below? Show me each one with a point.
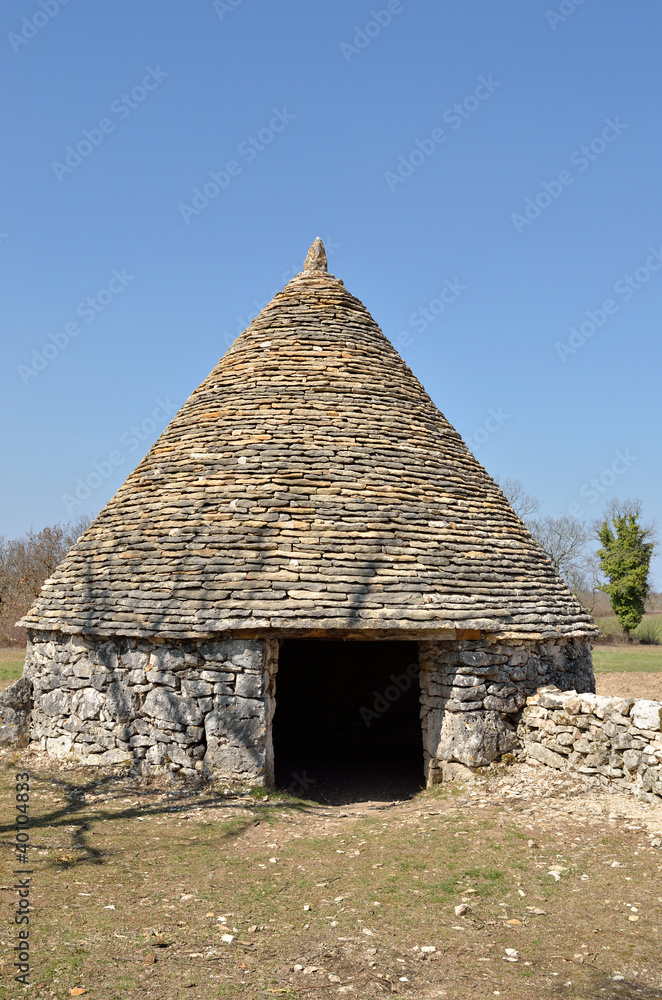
(473, 690)
(618, 740)
(193, 706)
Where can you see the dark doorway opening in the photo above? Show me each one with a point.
(347, 721)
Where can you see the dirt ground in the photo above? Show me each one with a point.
(629, 684)
(524, 885)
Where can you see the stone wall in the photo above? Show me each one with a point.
(618, 740)
(201, 706)
(472, 691)
(193, 706)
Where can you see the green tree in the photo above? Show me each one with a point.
(625, 558)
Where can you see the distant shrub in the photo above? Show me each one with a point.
(24, 565)
(649, 631)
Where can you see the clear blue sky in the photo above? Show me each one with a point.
(320, 120)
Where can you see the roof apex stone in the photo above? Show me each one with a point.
(316, 258)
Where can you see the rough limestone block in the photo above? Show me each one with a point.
(454, 705)
(113, 756)
(134, 659)
(650, 778)
(87, 703)
(551, 699)
(15, 709)
(197, 689)
(56, 702)
(472, 738)
(223, 689)
(545, 756)
(121, 703)
(475, 693)
(214, 676)
(83, 668)
(597, 758)
(508, 705)
(624, 706)
(466, 680)
(161, 703)
(248, 707)
(156, 754)
(246, 653)
(58, 746)
(166, 660)
(231, 728)
(176, 755)
(107, 655)
(475, 658)
(241, 763)
(164, 677)
(217, 652)
(647, 715)
(452, 771)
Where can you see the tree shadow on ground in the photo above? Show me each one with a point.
(606, 988)
(82, 815)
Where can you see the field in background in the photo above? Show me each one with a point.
(11, 665)
(644, 659)
(648, 633)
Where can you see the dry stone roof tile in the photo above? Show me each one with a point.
(309, 483)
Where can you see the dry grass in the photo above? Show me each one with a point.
(633, 657)
(131, 879)
(12, 659)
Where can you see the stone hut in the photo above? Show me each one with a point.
(308, 556)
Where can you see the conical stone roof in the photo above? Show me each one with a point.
(309, 484)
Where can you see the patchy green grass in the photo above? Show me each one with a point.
(624, 659)
(135, 882)
(11, 664)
